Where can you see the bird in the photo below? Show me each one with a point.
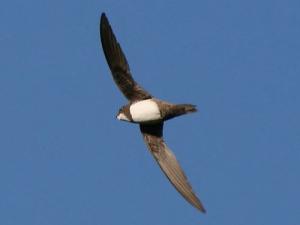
(148, 112)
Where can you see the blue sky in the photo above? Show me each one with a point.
(65, 159)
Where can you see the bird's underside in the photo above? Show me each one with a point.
(152, 132)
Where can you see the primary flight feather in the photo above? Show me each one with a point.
(149, 112)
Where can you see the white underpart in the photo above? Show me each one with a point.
(145, 111)
(122, 116)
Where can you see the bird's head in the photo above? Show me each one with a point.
(124, 114)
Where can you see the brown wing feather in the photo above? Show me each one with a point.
(118, 64)
(168, 163)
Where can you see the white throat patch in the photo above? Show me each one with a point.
(122, 116)
(145, 111)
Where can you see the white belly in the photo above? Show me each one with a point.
(145, 111)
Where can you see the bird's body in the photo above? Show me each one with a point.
(149, 112)
(152, 111)
(145, 111)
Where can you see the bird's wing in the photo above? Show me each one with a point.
(153, 136)
(118, 64)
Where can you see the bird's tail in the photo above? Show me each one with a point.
(180, 109)
(187, 108)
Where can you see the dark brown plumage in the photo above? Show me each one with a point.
(152, 131)
(153, 137)
(118, 64)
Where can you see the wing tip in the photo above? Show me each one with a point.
(103, 16)
(103, 19)
(201, 208)
(197, 204)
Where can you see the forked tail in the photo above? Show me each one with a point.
(188, 108)
(180, 109)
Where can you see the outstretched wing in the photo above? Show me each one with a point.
(118, 64)
(153, 137)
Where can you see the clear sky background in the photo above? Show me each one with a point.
(65, 159)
